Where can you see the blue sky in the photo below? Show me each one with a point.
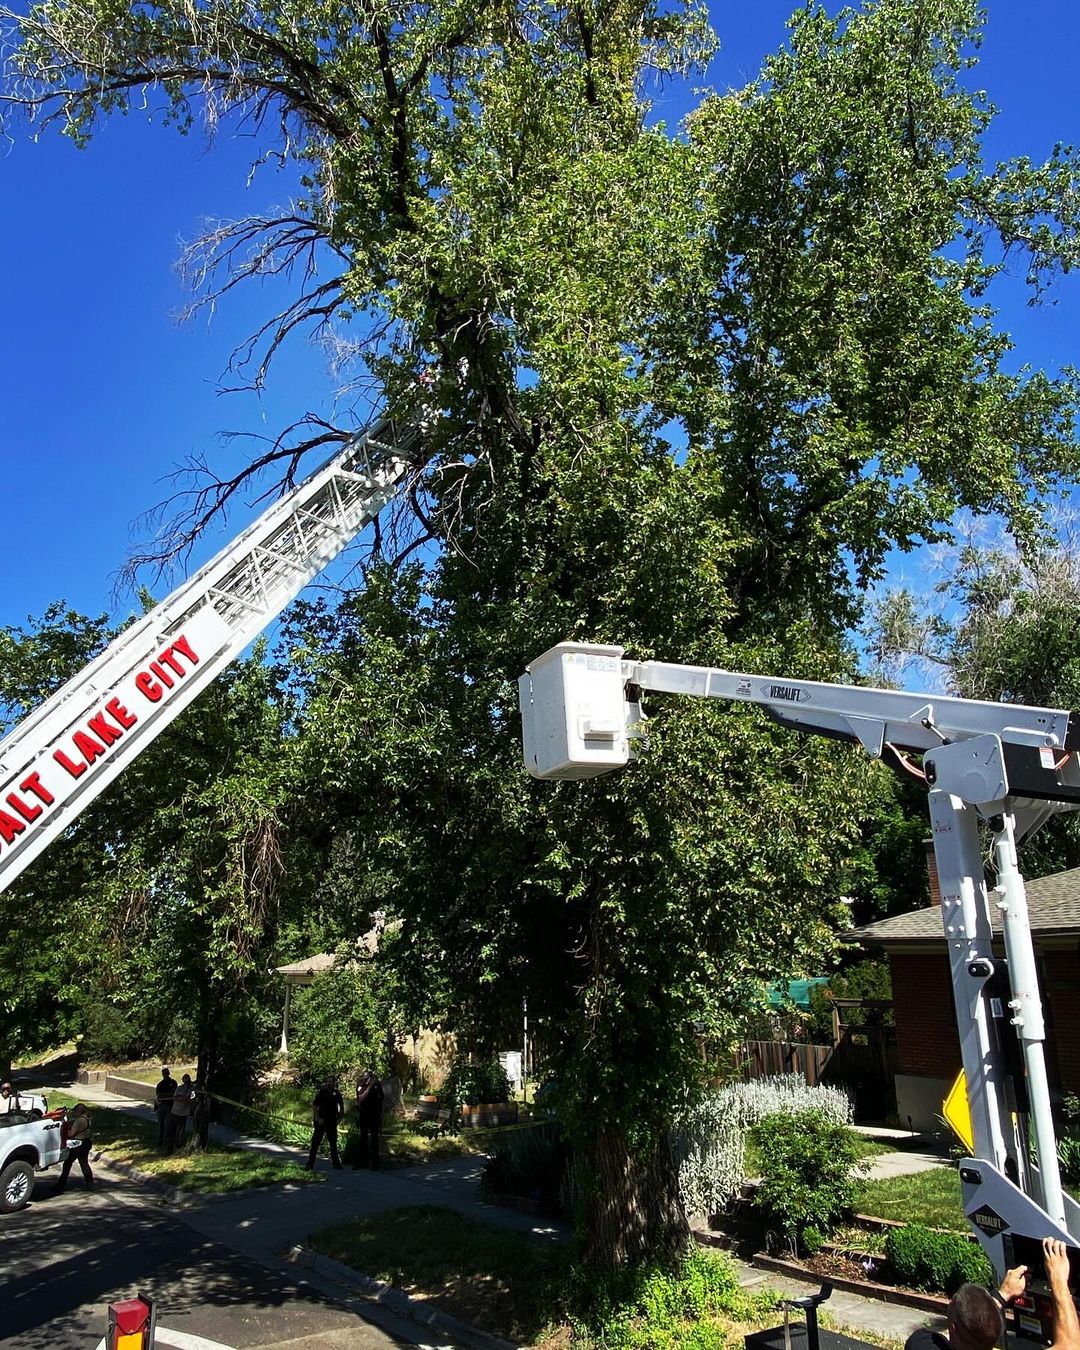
(103, 394)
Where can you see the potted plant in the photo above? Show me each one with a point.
(481, 1094)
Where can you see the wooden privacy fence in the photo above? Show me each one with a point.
(767, 1059)
(864, 1061)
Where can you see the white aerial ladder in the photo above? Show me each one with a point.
(60, 757)
(1005, 766)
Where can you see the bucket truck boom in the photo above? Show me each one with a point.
(1001, 766)
(61, 756)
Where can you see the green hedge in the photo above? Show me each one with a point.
(938, 1262)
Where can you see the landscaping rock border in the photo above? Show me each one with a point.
(397, 1301)
(134, 1089)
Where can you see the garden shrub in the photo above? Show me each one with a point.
(109, 1034)
(121, 1027)
(808, 1165)
(812, 1239)
(475, 1084)
(658, 1309)
(939, 1262)
(339, 1024)
(709, 1142)
(786, 1094)
(1069, 1157)
(246, 1032)
(531, 1163)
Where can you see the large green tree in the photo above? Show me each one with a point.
(693, 389)
(150, 924)
(39, 995)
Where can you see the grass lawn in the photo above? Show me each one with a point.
(506, 1282)
(930, 1197)
(923, 1197)
(133, 1140)
(525, 1289)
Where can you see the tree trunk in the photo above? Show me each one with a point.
(207, 1066)
(633, 1213)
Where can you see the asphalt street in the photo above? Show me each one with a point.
(66, 1257)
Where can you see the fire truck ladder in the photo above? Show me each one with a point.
(68, 750)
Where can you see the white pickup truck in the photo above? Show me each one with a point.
(28, 1144)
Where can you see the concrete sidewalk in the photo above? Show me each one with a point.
(911, 1152)
(847, 1312)
(264, 1223)
(886, 1165)
(276, 1218)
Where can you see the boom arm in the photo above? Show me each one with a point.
(1003, 764)
(60, 757)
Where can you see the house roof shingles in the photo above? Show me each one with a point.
(1053, 903)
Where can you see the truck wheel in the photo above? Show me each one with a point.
(16, 1186)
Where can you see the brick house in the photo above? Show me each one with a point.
(927, 1043)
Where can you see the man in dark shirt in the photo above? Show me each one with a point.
(327, 1109)
(369, 1109)
(975, 1314)
(163, 1100)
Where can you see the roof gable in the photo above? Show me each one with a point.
(1053, 902)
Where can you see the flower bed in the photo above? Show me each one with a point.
(847, 1273)
(919, 1266)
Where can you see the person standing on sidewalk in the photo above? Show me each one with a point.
(181, 1110)
(163, 1100)
(79, 1128)
(328, 1108)
(369, 1109)
(200, 1113)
